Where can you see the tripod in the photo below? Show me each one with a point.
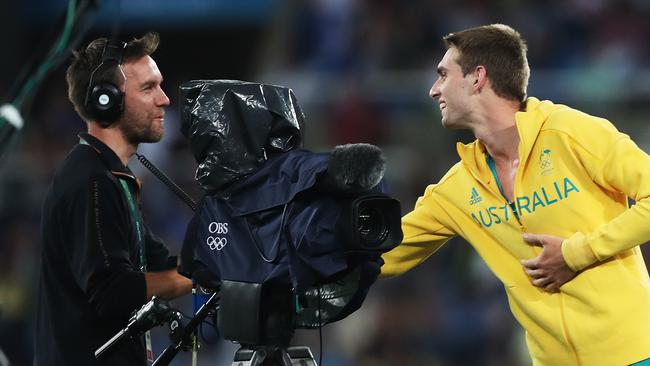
(274, 356)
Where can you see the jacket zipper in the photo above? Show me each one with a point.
(565, 327)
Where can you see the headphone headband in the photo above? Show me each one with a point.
(113, 51)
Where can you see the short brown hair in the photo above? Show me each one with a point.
(86, 60)
(501, 50)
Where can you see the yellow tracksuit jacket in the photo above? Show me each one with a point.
(575, 174)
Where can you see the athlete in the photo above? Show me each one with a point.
(542, 195)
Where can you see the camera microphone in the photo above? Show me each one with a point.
(355, 168)
(151, 314)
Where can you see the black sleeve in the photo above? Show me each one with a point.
(158, 258)
(187, 250)
(101, 248)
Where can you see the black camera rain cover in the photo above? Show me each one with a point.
(235, 126)
(264, 218)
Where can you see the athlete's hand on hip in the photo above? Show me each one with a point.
(548, 271)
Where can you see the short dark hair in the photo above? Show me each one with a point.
(501, 50)
(85, 61)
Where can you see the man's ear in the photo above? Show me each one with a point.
(480, 77)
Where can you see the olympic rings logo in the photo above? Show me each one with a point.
(216, 242)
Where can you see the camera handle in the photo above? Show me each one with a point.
(182, 335)
(153, 313)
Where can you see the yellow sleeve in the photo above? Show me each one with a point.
(423, 235)
(625, 168)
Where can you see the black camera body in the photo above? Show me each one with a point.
(279, 225)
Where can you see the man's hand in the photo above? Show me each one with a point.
(548, 271)
(167, 284)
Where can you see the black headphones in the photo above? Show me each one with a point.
(104, 100)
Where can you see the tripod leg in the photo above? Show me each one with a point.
(299, 356)
(291, 356)
(249, 357)
(285, 358)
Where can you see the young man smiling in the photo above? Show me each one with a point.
(542, 195)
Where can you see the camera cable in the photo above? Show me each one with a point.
(167, 181)
(277, 239)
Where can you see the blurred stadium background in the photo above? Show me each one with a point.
(361, 69)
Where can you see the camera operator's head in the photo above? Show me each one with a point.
(118, 85)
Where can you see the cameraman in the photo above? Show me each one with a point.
(99, 260)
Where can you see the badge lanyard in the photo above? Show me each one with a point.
(136, 220)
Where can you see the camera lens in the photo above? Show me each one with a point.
(371, 226)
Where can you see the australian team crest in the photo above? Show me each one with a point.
(545, 163)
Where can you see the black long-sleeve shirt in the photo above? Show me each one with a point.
(90, 281)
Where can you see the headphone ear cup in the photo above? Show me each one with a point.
(106, 102)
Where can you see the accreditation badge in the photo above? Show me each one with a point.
(147, 341)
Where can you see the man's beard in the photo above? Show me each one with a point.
(137, 134)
